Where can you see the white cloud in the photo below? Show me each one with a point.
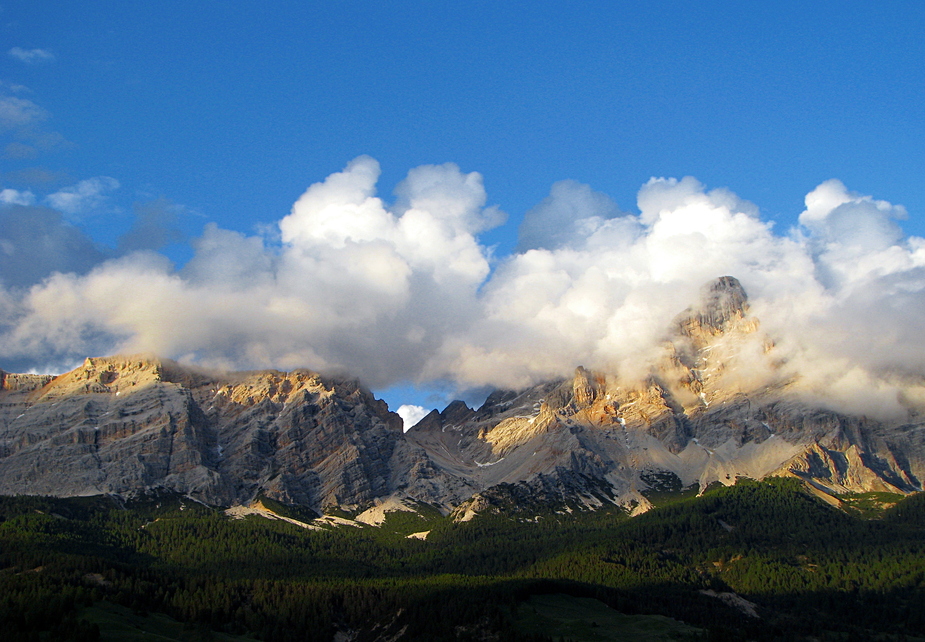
(835, 215)
(85, 196)
(15, 197)
(570, 208)
(19, 113)
(405, 292)
(410, 414)
(31, 56)
(355, 284)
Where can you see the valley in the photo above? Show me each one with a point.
(757, 561)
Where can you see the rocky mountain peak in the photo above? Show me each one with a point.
(723, 303)
(106, 375)
(585, 387)
(22, 382)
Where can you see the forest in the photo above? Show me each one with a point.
(754, 561)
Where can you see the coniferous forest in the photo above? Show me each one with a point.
(755, 561)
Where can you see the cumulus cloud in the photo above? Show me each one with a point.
(31, 56)
(35, 242)
(570, 211)
(355, 284)
(15, 197)
(405, 291)
(836, 216)
(411, 414)
(85, 196)
(606, 295)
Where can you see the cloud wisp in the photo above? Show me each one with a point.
(22, 129)
(31, 56)
(406, 292)
(85, 196)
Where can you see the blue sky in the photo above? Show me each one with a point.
(225, 113)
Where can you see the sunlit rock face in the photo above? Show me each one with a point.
(716, 403)
(126, 424)
(717, 406)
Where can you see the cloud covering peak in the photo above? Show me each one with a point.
(407, 292)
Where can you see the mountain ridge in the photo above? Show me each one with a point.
(125, 424)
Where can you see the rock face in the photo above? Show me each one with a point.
(126, 424)
(699, 418)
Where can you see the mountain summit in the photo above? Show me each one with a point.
(124, 425)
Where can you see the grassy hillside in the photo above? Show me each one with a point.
(758, 561)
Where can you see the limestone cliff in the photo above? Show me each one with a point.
(126, 424)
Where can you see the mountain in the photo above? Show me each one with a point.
(693, 421)
(126, 424)
(123, 425)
